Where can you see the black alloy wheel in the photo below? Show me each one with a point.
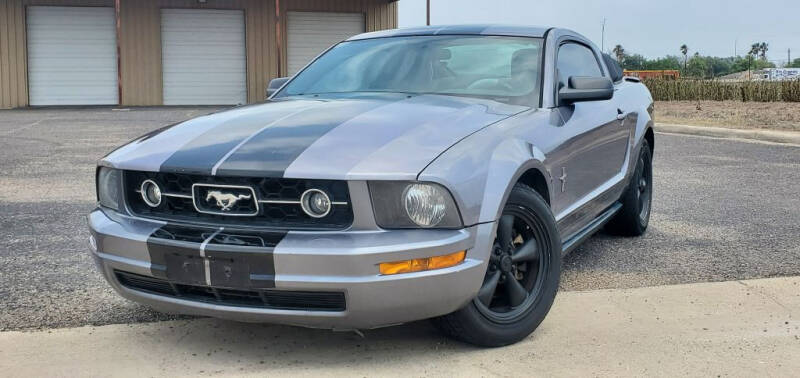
(521, 278)
(644, 187)
(634, 216)
(516, 267)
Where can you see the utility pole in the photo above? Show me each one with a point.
(603, 38)
(428, 12)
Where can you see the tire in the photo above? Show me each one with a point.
(633, 218)
(502, 317)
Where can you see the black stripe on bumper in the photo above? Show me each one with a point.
(210, 257)
(274, 299)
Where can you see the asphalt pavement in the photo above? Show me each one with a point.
(722, 210)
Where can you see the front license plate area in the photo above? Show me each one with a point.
(185, 269)
(229, 272)
(217, 266)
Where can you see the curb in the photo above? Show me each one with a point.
(774, 136)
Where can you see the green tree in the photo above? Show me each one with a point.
(619, 52)
(697, 67)
(741, 64)
(752, 55)
(666, 63)
(754, 49)
(634, 62)
(685, 52)
(718, 66)
(763, 47)
(794, 64)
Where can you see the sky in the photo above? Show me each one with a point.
(647, 27)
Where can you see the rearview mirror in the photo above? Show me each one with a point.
(276, 84)
(583, 88)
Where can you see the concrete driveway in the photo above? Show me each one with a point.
(704, 329)
(723, 210)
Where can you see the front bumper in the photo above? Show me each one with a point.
(345, 262)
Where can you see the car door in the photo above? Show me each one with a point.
(595, 139)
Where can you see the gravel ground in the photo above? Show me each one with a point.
(784, 116)
(723, 210)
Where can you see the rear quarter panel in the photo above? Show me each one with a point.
(639, 102)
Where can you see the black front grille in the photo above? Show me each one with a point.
(272, 299)
(178, 205)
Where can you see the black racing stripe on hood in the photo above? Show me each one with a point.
(228, 259)
(272, 150)
(200, 155)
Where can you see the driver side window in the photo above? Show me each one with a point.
(576, 60)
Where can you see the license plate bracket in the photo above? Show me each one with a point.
(229, 272)
(185, 269)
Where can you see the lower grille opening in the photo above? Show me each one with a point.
(272, 299)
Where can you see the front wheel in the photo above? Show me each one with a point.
(521, 280)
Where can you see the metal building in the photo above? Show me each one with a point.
(167, 52)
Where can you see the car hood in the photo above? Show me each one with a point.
(356, 137)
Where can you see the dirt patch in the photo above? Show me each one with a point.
(732, 114)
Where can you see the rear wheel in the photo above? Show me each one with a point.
(521, 280)
(633, 218)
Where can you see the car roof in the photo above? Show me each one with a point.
(471, 29)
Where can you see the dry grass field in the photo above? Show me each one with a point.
(783, 116)
(715, 90)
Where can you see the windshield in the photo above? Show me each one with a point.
(500, 68)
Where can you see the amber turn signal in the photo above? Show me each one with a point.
(419, 265)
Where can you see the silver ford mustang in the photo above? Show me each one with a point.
(437, 172)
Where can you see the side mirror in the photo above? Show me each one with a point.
(582, 88)
(276, 84)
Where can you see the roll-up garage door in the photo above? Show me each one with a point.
(203, 56)
(72, 56)
(310, 33)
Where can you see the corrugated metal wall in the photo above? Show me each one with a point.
(140, 53)
(13, 67)
(140, 41)
(140, 44)
(378, 15)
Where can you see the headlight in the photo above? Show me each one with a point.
(413, 205)
(108, 187)
(424, 204)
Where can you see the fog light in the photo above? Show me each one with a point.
(419, 265)
(151, 193)
(315, 203)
